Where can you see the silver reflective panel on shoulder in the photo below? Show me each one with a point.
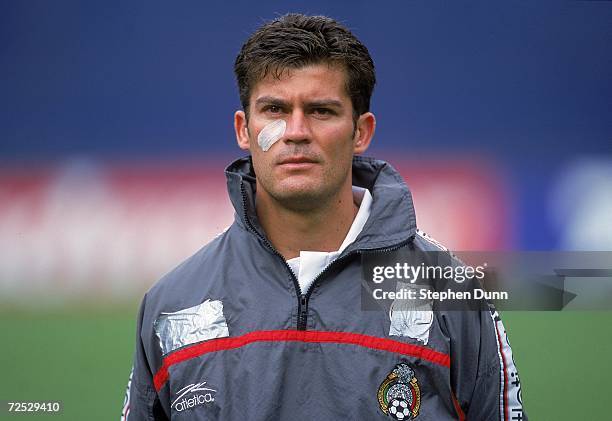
(411, 317)
(195, 324)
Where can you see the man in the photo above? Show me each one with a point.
(265, 322)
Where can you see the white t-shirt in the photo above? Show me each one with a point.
(309, 264)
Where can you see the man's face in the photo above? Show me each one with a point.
(312, 161)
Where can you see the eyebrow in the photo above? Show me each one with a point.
(270, 100)
(311, 104)
(325, 103)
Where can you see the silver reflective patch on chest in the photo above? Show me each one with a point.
(195, 324)
(411, 318)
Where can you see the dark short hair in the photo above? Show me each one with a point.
(295, 40)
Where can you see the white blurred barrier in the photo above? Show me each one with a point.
(83, 229)
(581, 204)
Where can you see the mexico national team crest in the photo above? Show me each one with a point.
(399, 395)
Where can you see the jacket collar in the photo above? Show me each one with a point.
(392, 219)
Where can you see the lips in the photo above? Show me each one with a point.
(297, 160)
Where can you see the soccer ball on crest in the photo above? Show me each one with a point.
(398, 409)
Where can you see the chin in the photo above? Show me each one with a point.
(300, 198)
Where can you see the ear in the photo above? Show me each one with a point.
(241, 129)
(366, 125)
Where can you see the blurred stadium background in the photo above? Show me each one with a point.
(116, 125)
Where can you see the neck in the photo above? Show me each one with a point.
(323, 228)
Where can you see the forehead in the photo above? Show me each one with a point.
(304, 83)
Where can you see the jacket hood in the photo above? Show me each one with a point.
(392, 218)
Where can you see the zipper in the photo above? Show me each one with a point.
(303, 319)
(303, 298)
(302, 308)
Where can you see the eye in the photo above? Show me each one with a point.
(322, 112)
(272, 109)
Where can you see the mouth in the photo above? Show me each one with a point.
(297, 161)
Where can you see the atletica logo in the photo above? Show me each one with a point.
(201, 396)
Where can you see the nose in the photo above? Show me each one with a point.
(297, 129)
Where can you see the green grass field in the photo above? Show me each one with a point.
(83, 357)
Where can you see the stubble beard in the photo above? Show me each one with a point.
(310, 197)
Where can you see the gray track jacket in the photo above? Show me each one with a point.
(227, 335)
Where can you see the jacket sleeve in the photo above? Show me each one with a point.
(141, 400)
(486, 380)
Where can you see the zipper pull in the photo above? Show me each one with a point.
(303, 317)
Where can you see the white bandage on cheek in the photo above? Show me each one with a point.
(271, 133)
